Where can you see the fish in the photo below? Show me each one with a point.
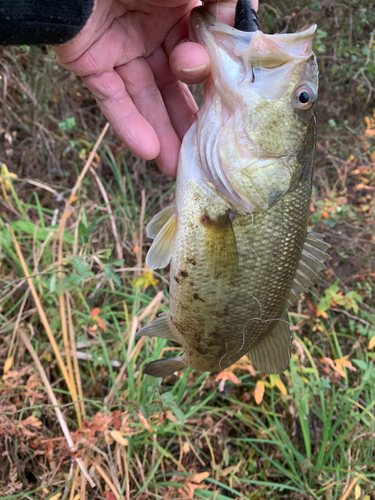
(236, 236)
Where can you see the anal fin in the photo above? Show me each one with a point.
(272, 354)
(161, 327)
(164, 367)
(311, 263)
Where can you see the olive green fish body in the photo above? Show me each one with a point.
(220, 313)
(237, 235)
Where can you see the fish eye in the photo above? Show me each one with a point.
(304, 97)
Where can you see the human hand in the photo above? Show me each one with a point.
(134, 56)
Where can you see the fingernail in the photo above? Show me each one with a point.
(196, 70)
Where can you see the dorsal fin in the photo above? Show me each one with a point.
(163, 228)
(161, 327)
(272, 355)
(311, 263)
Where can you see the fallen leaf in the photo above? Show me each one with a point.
(119, 437)
(144, 421)
(95, 311)
(279, 384)
(357, 492)
(371, 344)
(8, 364)
(55, 497)
(199, 477)
(259, 392)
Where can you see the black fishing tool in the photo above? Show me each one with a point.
(246, 18)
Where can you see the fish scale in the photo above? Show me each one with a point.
(237, 234)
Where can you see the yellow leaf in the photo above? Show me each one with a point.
(198, 478)
(8, 364)
(259, 392)
(357, 491)
(367, 120)
(185, 447)
(281, 387)
(366, 497)
(371, 344)
(77, 497)
(33, 421)
(119, 437)
(55, 497)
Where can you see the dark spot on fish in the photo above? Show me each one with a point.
(184, 274)
(196, 297)
(205, 219)
(223, 313)
(191, 261)
(177, 279)
(202, 351)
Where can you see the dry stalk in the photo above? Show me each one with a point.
(55, 404)
(41, 312)
(74, 355)
(109, 483)
(110, 213)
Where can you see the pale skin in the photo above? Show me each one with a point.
(135, 57)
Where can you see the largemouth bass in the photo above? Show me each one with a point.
(237, 235)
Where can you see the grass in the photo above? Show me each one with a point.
(307, 434)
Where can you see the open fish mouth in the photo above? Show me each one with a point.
(267, 51)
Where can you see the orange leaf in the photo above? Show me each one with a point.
(371, 344)
(259, 392)
(95, 311)
(199, 477)
(101, 324)
(222, 375)
(232, 377)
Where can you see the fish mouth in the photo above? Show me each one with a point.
(271, 50)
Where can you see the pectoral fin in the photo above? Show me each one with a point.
(220, 247)
(158, 221)
(164, 367)
(311, 263)
(161, 327)
(272, 355)
(161, 250)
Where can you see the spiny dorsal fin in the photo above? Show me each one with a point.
(161, 327)
(311, 263)
(272, 355)
(158, 221)
(161, 250)
(165, 367)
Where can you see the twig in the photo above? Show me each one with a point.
(350, 487)
(154, 304)
(55, 404)
(106, 479)
(336, 309)
(110, 213)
